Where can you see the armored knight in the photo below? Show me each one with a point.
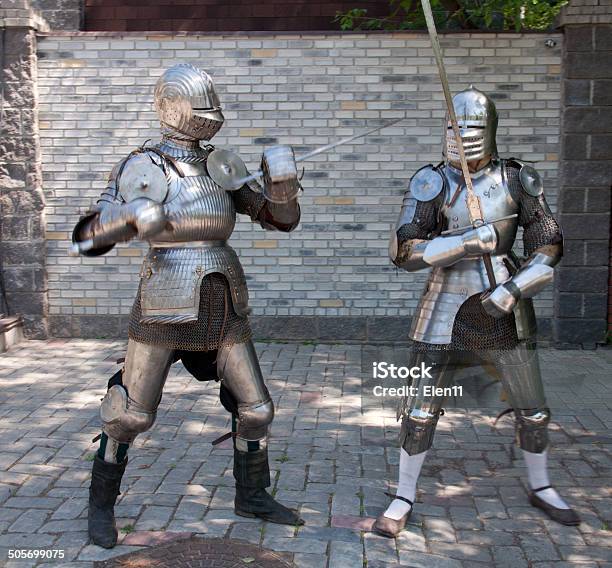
(460, 317)
(192, 301)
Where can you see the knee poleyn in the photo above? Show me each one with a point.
(122, 420)
(254, 419)
(419, 427)
(532, 429)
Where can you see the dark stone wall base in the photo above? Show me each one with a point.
(11, 332)
(583, 289)
(321, 329)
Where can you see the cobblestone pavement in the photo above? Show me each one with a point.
(334, 453)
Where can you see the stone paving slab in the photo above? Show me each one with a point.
(333, 451)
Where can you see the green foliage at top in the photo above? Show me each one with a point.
(514, 15)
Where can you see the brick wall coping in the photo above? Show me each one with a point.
(288, 34)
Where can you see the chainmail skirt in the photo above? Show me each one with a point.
(217, 324)
(475, 330)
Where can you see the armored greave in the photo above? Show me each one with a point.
(244, 394)
(522, 380)
(520, 374)
(130, 405)
(421, 418)
(239, 372)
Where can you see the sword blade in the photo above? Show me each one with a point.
(333, 145)
(326, 148)
(249, 178)
(473, 203)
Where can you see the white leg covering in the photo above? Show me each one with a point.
(110, 452)
(409, 470)
(537, 473)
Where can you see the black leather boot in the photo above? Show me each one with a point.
(252, 474)
(103, 491)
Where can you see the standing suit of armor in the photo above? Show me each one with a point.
(458, 320)
(192, 302)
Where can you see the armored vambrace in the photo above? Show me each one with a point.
(416, 254)
(97, 232)
(281, 216)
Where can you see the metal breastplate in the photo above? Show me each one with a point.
(202, 217)
(448, 288)
(491, 186)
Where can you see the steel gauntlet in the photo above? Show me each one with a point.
(280, 179)
(142, 218)
(533, 276)
(444, 251)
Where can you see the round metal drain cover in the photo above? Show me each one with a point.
(199, 553)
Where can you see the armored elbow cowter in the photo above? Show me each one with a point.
(101, 229)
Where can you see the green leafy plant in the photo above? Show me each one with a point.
(514, 15)
(361, 496)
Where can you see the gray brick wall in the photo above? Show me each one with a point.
(95, 106)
